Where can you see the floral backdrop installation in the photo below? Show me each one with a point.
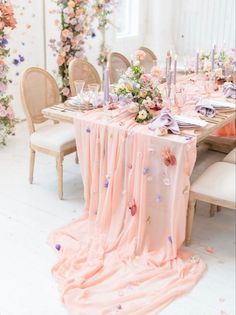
(76, 21)
(102, 10)
(7, 117)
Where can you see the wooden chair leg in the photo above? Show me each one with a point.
(212, 210)
(60, 159)
(190, 216)
(218, 208)
(76, 158)
(32, 162)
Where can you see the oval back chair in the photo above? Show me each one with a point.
(39, 90)
(118, 64)
(82, 70)
(150, 59)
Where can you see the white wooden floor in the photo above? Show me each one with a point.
(28, 213)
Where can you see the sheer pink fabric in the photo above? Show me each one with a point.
(122, 256)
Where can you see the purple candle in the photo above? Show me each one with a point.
(106, 86)
(197, 62)
(213, 57)
(175, 70)
(169, 79)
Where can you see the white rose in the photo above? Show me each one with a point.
(142, 114)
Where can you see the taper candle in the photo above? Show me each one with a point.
(106, 86)
(197, 62)
(213, 57)
(175, 70)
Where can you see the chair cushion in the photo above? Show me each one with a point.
(56, 137)
(217, 182)
(231, 157)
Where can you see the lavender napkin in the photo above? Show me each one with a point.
(229, 90)
(205, 108)
(165, 120)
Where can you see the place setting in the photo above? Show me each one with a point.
(117, 157)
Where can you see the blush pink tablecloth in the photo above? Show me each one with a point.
(123, 255)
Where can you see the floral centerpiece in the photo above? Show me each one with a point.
(139, 90)
(7, 117)
(102, 10)
(76, 19)
(222, 60)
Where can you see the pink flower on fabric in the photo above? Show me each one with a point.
(168, 157)
(146, 77)
(133, 208)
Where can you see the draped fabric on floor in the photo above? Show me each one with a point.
(123, 255)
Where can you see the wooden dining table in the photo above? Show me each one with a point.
(63, 113)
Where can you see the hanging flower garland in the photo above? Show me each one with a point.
(7, 117)
(102, 10)
(76, 20)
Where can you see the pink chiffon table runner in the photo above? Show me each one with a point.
(124, 255)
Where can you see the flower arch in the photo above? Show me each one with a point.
(76, 26)
(7, 116)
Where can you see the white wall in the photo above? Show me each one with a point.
(199, 23)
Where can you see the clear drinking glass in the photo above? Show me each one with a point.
(79, 86)
(93, 89)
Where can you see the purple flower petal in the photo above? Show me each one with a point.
(146, 170)
(58, 247)
(170, 239)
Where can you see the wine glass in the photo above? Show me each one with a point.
(79, 86)
(93, 89)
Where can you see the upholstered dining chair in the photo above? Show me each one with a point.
(231, 157)
(118, 64)
(215, 186)
(82, 70)
(38, 91)
(150, 59)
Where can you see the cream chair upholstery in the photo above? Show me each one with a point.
(231, 157)
(215, 186)
(38, 91)
(82, 70)
(150, 59)
(118, 64)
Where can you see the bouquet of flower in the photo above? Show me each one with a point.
(7, 117)
(76, 21)
(139, 91)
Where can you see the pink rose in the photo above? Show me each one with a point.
(60, 60)
(140, 54)
(10, 113)
(66, 91)
(156, 72)
(65, 33)
(146, 77)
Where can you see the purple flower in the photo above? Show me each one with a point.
(58, 247)
(21, 58)
(146, 170)
(106, 184)
(158, 199)
(88, 130)
(170, 239)
(16, 62)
